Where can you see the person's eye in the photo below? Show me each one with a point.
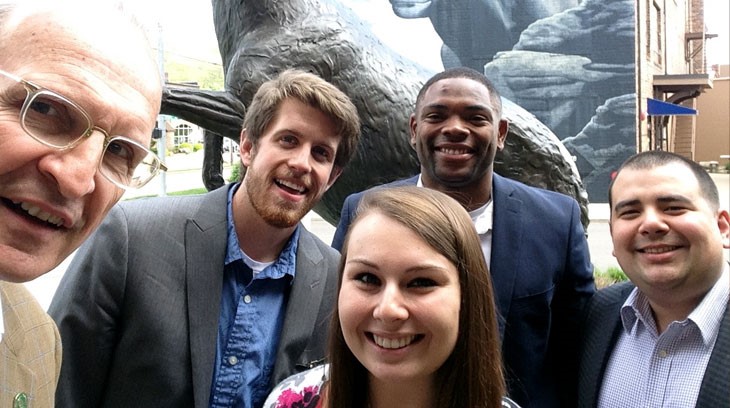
(322, 154)
(367, 278)
(288, 140)
(121, 149)
(675, 209)
(480, 120)
(44, 108)
(51, 116)
(433, 117)
(422, 283)
(121, 159)
(628, 214)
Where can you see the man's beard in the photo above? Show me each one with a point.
(281, 214)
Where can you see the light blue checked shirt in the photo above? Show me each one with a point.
(651, 370)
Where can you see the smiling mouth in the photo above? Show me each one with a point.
(290, 187)
(34, 213)
(395, 343)
(659, 250)
(453, 151)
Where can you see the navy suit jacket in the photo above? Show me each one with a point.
(542, 278)
(602, 328)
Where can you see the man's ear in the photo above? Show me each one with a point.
(412, 126)
(502, 128)
(334, 174)
(246, 150)
(723, 222)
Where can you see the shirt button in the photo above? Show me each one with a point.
(232, 360)
(247, 299)
(663, 353)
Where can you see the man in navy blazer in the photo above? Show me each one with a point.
(663, 339)
(533, 239)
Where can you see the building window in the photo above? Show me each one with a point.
(182, 134)
(655, 34)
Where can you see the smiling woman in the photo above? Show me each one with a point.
(415, 322)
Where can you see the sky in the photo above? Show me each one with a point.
(717, 20)
(187, 29)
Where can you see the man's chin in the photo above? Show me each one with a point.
(283, 219)
(22, 274)
(19, 266)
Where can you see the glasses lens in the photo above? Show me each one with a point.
(54, 120)
(128, 164)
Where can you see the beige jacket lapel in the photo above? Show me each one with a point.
(30, 350)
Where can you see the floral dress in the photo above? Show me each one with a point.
(303, 391)
(300, 390)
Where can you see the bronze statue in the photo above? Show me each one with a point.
(259, 38)
(474, 31)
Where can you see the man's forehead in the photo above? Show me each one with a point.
(459, 87)
(663, 180)
(101, 30)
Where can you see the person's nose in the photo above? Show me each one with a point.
(652, 222)
(300, 160)
(74, 169)
(391, 306)
(455, 127)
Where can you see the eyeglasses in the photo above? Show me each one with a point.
(56, 121)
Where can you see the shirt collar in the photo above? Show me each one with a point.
(481, 217)
(707, 315)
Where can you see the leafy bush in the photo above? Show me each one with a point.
(609, 276)
(197, 146)
(184, 148)
(235, 172)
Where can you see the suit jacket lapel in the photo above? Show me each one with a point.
(507, 230)
(715, 388)
(205, 246)
(16, 375)
(305, 299)
(604, 319)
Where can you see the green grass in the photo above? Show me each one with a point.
(192, 191)
(608, 276)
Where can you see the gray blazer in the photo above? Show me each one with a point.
(138, 308)
(602, 328)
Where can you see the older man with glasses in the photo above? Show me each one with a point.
(78, 101)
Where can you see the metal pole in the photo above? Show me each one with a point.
(162, 141)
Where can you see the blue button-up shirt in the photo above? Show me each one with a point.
(252, 313)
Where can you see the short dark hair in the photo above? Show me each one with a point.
(463, 72)
(654, 158)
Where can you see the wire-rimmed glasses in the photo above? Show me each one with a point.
(56, 121)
